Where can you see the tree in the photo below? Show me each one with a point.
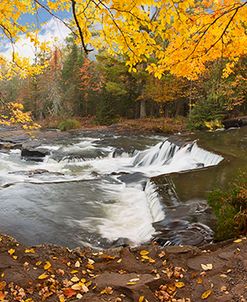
(91, 83)
(180, 36)
(72, 62)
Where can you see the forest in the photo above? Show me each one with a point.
(136, 65)
(102, 88)
(145, 199)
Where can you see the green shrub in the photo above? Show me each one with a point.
(69, 124)
(230, 208)
(211, 110)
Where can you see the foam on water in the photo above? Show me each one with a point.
(130, 210)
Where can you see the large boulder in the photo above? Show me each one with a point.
(31, 151)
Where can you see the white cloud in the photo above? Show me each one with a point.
(53, 31)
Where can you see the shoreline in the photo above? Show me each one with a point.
(147, 273)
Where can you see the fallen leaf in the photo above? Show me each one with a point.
(207, 267)
(134, 279)
(162, 254)
(141, 299)
(144, 252)
(90, 266)
(107, 291)
(223, 288)
(74, 271)
(61, 298)
(69, 292)
(145, 257)
(47, 265)
(77, 264)
(90, 261)
(179, 284)
(38, 263)
(2, 285)
(199, 281)
(131, 283)
(2, 296)
(79, 296)
(77, 286)
(223, 276)
(11, 251)
(43, 276)
(237, 241)
(206, 294)
(29, 251)
(75, 279)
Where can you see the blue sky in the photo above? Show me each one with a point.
(51, 30)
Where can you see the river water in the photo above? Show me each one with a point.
(100, 189)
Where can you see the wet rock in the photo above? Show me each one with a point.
(235, 122)
(30, 151)
(121, 242)
(36, 172)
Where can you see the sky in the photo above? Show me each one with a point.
(51, 30)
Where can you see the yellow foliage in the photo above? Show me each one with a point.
(12, 114)
(180, 36)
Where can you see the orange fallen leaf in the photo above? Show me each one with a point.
(2, 285)
(199, 281)
(69, 292)
(2, 296)
(206, 294)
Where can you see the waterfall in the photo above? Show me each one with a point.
(168, 153)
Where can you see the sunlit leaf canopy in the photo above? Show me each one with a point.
(160, 35)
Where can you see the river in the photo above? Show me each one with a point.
(103, 189)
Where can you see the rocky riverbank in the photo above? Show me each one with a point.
(147, 273)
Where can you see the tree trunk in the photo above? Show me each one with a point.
(143, 112)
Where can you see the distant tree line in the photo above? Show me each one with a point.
(73, 85)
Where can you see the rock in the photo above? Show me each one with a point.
(235, 122)
(224, 298)
(226, 255)
(6, 262)
(30, 151)
(9, 146)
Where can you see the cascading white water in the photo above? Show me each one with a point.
(126, 210)
(130, 214)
